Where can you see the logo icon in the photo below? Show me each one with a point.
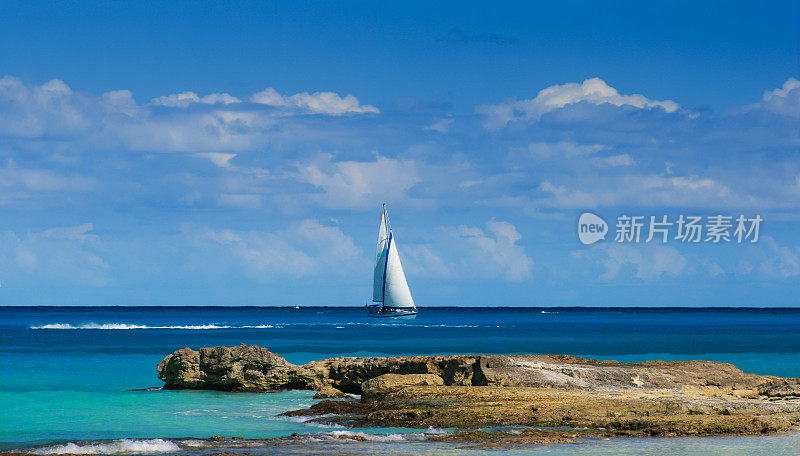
(591, 228)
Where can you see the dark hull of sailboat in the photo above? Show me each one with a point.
(386, 312)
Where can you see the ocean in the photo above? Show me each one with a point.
(65, 370)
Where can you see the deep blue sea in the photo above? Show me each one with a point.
(65, 369)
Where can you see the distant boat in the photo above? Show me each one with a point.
(389, 287)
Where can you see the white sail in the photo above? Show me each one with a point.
(380, 259)
(396, 292)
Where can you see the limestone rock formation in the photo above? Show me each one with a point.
(254, 368)
(329, 392)
(242, 368)
(385, 383)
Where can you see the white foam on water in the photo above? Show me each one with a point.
(395, 437)
(122, 446)
(122, 326)
(194, 443)
(308, 419)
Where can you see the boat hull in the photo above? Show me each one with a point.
(388, 312)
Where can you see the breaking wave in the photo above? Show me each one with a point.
(123, 326)
(396, 437)
(122, 446)
(120, 326)
(148, 446)
(311, 420)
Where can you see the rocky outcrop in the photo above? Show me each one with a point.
(242, 368)
(600, 398)
(328, 392)
(386, 383)
(254, 368)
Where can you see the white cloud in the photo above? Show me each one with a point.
(184, 99)
(471, 253)
(594, 91)
(120, 101)
(649, 261)
(643, 191)
(359, 185)
(777, 260)
(269, 97)
(219, 159)
(21, 183)
(614, 160)
(33, 111)
(568, 152)
(784, 100)
(62, 255)
(217, 122)
(441, 125)
(562, 149)
(318, 102)
(305, 248)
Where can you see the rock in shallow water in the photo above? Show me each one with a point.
(328, 392)
(254, 368)
(242, 368)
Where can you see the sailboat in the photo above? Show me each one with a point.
(390, 294)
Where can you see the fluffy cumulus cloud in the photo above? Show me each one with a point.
(184, 99)
(642, 261)
(219, 159)
(318, 102)
(64, 255)
(20, 184)
(328, 103)
(774, 260)
(50, 109)
(784, 100)
(304, 249)
(594, 91)
(359, 184)
(644, 191)
(215, 122)
(469, 252)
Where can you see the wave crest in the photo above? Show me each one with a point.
(122, 326)
(397, 437)
(114, 447)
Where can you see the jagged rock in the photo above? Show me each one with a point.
(382, 384)
(242, 368)
(329, 392)
(348, 373)
(253, 368)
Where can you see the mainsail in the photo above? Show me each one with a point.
(380, 259)
(389, 285)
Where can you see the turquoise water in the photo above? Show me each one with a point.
(65, 369)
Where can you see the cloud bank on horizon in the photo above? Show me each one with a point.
(268, 188)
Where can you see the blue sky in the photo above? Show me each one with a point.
(218, 154)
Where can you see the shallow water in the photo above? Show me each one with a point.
(328, 443)
(65, 369)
